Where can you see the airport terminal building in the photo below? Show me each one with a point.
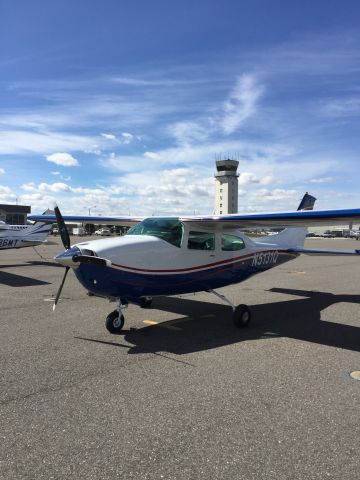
(14, 214)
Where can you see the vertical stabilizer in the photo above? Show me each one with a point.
(293, 236)
(307, 202)
(37, 232)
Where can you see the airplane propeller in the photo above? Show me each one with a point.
(60, 288)
(64, 234)
(65, 238)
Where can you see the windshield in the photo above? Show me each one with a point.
(168, 229)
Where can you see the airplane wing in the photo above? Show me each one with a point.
(121, 221)
(299, 218)
(302, 218)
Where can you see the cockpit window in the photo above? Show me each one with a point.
(168, 229)
(230, 243)
(201, 241)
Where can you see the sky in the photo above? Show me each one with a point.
(121, 107)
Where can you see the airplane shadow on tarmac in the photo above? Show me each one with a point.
(208, 325)
(14, 280)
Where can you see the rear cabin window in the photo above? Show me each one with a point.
(168, 229)
(201, 241)
(230, 243)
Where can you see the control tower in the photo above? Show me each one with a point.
(226, 187)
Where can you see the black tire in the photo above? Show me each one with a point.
(146, 302)
(114, 323)
(242, 316)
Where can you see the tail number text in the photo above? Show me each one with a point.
(265, 258)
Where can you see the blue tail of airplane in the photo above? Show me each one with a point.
(307, 202)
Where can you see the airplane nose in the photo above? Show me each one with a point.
(66, 257)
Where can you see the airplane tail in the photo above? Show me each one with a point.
(38, 231)
(293, 236)
(307, 202)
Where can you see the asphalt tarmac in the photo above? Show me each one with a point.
(182, 393)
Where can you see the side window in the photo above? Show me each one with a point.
(201, 241)
(229, 243)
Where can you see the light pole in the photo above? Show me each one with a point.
(90, 209)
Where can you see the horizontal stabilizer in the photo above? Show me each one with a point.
(323, 252)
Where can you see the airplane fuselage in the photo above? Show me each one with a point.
(143, 265)
(8, 242)
(19, 236)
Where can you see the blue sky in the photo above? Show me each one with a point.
(122, 106)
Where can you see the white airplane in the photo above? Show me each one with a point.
(19, 236)
(177, 255)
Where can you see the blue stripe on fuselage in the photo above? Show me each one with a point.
(113, 282)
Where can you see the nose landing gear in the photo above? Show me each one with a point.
(115, 320)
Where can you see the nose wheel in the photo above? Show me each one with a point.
(114, 322)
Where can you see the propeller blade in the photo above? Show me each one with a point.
(89, 259)
(60, 288)
(64, 234)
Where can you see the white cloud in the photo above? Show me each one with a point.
(152, 155)
(127, 138)
(247, 178)
(64, 159)
(2, 171)
(6, 194)
(4, 190)
(264, 196)
(321, 180)
(29, 187)
(242, 103)
(55, 173)
(187, 133)
(108, 136)
(343, 107)
(20, 142)
(94, 149)
(55, 187)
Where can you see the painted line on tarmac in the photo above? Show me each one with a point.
(162, 325)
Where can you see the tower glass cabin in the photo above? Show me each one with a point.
(226, 187)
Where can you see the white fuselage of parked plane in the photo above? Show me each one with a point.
(19, 236)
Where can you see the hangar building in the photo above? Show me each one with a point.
(14, 214)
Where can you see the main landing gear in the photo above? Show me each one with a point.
(241, 313)
(145, 302)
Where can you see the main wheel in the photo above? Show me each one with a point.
(146, 302)
(114, 322)
(242, 316)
